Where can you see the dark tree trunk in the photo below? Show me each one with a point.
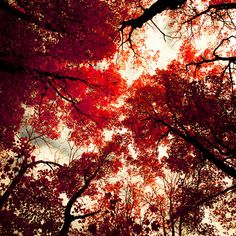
(13, 184)
(66, 226)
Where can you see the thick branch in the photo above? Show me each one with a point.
(216, 58)
(13, 184)
(18, 177)
(206, 153)
(12, 67)
(68, 218)
(209, 198)
(156, 8)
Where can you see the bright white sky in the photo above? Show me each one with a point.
(155, 42)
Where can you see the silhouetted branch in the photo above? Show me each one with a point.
(216, 8)
(216, 57)
(227, 169)
(156, 8)
(68, 217)
(17, 178)
(209, 198)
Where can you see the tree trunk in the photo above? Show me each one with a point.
(13, 184)
(180, 226)
(66, 226)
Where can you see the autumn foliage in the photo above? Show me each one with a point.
(86, 152)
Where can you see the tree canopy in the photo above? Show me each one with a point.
(84, 151)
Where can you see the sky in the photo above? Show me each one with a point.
(155, 42)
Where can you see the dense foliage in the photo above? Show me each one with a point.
(83, 152)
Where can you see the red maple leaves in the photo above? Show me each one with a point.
(140, 159)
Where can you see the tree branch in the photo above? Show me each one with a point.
(217, 7)
(156, 8)
(17, 178)
(68, 218)
(204, 200)
(206, 153)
